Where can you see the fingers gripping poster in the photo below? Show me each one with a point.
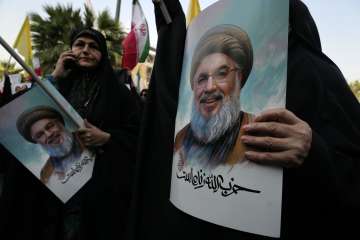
(234, 67)
(41, 136)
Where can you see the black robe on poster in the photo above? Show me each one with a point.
(318, 198)
(28, 210)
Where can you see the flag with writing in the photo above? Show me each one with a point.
(136, 44)
(193, 11)
(23, 42)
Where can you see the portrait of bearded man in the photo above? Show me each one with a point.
(45, 126)
(221, 64)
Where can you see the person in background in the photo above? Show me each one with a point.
(6, 96)
(84, 76)
(144, 94)
(124, 77)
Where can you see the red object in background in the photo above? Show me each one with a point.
(130, 51)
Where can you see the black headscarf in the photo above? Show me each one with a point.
(304, 40)
(93, 34)
(82, 86)
(303, 25)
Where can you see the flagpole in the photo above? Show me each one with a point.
(117, 13)
(36, 79)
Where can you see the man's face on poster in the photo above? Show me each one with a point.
(216, 106)
(215, 80)
(52, 136)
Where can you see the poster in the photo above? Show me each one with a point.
(234, 67)
(42, 137)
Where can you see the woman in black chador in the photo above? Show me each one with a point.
(319, 148)
(99, 210)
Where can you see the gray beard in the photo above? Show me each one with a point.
(60, 150)
(209, 130)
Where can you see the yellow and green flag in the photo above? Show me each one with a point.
(193, 11)
(23, 42)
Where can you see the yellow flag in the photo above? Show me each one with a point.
(193, 11)
(23, 42)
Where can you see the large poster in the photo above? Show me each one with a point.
(43, 138)
(234, 67)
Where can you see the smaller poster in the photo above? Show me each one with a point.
(44, 139)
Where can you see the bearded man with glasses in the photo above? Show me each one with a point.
(45, 126)
(221, 64)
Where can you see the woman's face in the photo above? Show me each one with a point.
(87, 52)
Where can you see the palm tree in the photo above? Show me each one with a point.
(355, 88)
(51, 34)
(113, 34)
(89, 17)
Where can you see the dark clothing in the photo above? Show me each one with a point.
(99, 210)
(5, 157)
(333, 113)
(6, 95)
(110, 106)
(124, 78)
(319, 198)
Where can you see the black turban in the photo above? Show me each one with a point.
(229, 40)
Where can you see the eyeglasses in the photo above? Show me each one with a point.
(219, 76)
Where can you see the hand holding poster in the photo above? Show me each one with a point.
(234, 66)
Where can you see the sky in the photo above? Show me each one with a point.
(338, 23)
